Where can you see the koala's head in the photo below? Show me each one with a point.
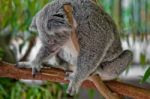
(50, 19)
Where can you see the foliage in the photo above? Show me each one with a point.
(18, 13)
(131, 16)
(18, 90)
(146, 76)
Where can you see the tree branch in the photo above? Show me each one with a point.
(57, 75)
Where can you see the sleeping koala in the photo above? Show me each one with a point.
(98, 38)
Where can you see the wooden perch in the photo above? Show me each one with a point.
(57, 75)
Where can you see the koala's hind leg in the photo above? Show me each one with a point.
(44, 53)
(87, 62)
(112, 69)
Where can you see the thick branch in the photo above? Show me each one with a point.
(57, 75)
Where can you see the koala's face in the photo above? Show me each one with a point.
(50, 19)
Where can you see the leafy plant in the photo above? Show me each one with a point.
(146, 76)
(13, 89)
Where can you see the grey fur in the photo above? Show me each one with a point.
(97, 35)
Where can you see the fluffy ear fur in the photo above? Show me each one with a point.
(33, 26)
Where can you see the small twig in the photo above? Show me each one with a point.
(102, 88)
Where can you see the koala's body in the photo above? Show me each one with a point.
(99, 42)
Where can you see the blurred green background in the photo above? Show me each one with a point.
(131, 16)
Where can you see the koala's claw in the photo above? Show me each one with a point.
(73, 88)
(74, 84)
(17, 64)
(67, 75)
(35, 67)
(23, 65)
(72, 91)
(35, 71)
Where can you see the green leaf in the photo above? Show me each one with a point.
(143, 59)
(91, 93)
(146, 75)
(3, 91)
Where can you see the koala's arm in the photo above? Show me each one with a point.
(43, 54)
(95, 36)
(53, 33)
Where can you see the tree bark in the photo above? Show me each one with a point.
(57, 75)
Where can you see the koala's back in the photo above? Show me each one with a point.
(93, 24)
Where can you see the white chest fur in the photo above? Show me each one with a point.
(69, 52)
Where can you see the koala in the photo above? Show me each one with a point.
(98, 38)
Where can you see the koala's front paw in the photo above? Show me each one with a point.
(74, 85)
(35, 67)
(23, 65)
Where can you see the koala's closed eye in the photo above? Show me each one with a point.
(59, 15)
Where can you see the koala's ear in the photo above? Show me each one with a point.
(33, 26)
